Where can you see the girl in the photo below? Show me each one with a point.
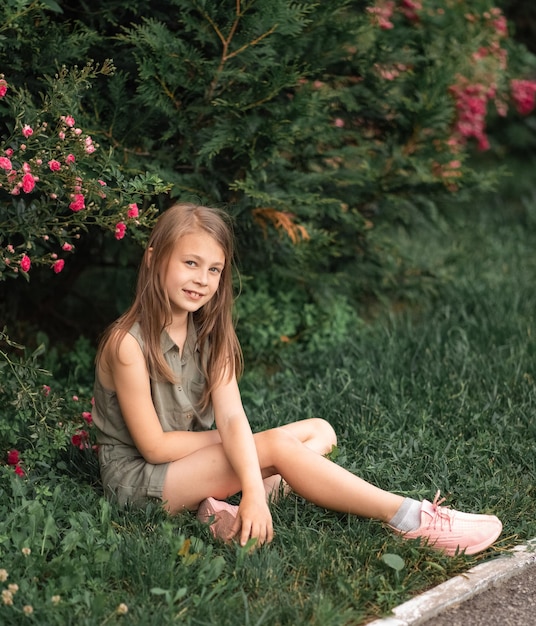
(168, 368)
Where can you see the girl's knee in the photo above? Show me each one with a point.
(272, 445)
(316, 433)
(276, 437)
(325, 432)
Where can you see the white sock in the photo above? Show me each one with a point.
(408, 516)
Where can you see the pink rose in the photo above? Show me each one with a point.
(70, 158)
(132, 210)
(54, 165)
(89, 147)
(523, 94)
(80, 439)
(28, 183)
(58, 266)
(13, 457)
(501, 26)
(25, 263)
(120, 229)
(27, 131)
(483, 142)
(5, 163)
(78, 203)
(69, 120)
(3, 87)
(67, 247)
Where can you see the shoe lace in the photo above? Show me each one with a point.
(441, 514)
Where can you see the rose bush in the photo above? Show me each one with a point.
(44, 427)
(56, 183)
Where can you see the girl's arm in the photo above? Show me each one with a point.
(239, 447)
(126, 373)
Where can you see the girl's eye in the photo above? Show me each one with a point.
(215, 270)
(190, 263)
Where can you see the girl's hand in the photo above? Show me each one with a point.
(254, 521)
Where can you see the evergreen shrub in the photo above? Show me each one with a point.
(313, 124)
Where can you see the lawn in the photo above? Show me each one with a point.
(434, 392)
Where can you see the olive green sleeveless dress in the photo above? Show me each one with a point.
(125, 474)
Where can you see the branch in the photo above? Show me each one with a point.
(226, 43)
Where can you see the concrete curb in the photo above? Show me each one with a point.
(461, 588)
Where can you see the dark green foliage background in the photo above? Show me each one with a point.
(239, 112)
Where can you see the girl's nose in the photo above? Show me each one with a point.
(202, 277)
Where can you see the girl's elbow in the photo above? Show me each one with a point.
(151, 454)
(151, 459)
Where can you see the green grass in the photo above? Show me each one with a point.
(439, 395)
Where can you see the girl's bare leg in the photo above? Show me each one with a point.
(317, 434)
(282, 452)
(323, 482)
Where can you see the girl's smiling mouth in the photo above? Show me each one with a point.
(195, 295)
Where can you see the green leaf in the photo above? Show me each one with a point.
(181, 593)
(53, 6)
(157, 591)
(393, 561)
(101, 555)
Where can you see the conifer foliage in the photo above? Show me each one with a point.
(310, 121)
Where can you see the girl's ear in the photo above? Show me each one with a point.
(148, 256)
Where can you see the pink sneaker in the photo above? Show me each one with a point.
(220, 515)
(450, 530)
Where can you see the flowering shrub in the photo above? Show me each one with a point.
(484, 80)
(55, 181)
(43, 427)
(473, 66)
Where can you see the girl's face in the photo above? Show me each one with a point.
(193, 272)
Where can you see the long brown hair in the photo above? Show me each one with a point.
(151, 307)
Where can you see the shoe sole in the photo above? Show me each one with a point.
(483, 545)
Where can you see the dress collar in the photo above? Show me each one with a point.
(190, 345)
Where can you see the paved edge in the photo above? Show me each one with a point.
(461, 588)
